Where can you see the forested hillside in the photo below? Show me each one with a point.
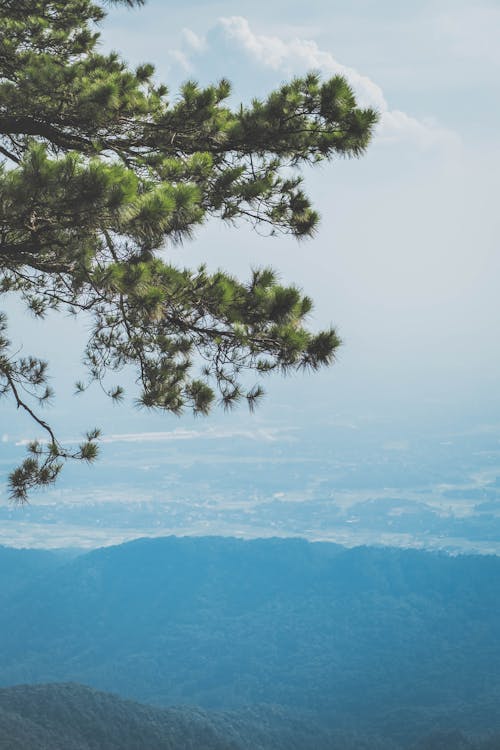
(72, 717)
(395, 643)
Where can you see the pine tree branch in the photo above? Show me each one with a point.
(9, 155)
(23, 405)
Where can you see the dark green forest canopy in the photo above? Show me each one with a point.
(101, 169)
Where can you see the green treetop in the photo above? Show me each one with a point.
(100, 171)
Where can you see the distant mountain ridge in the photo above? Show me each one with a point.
(21, 567)
(387, 641)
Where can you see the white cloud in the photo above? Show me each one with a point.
(259, 434)
(298, 56)
(397, 126)
(182, 59)
(193, 40)
(177, 435)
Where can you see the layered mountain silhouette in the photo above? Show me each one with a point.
(389, 642)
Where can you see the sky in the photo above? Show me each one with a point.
(405, 262)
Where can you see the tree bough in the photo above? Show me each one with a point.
(100, 171)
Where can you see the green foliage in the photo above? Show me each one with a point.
(100, 170)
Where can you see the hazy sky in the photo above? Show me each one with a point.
(406, 259)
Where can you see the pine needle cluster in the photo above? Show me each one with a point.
(100, 170)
